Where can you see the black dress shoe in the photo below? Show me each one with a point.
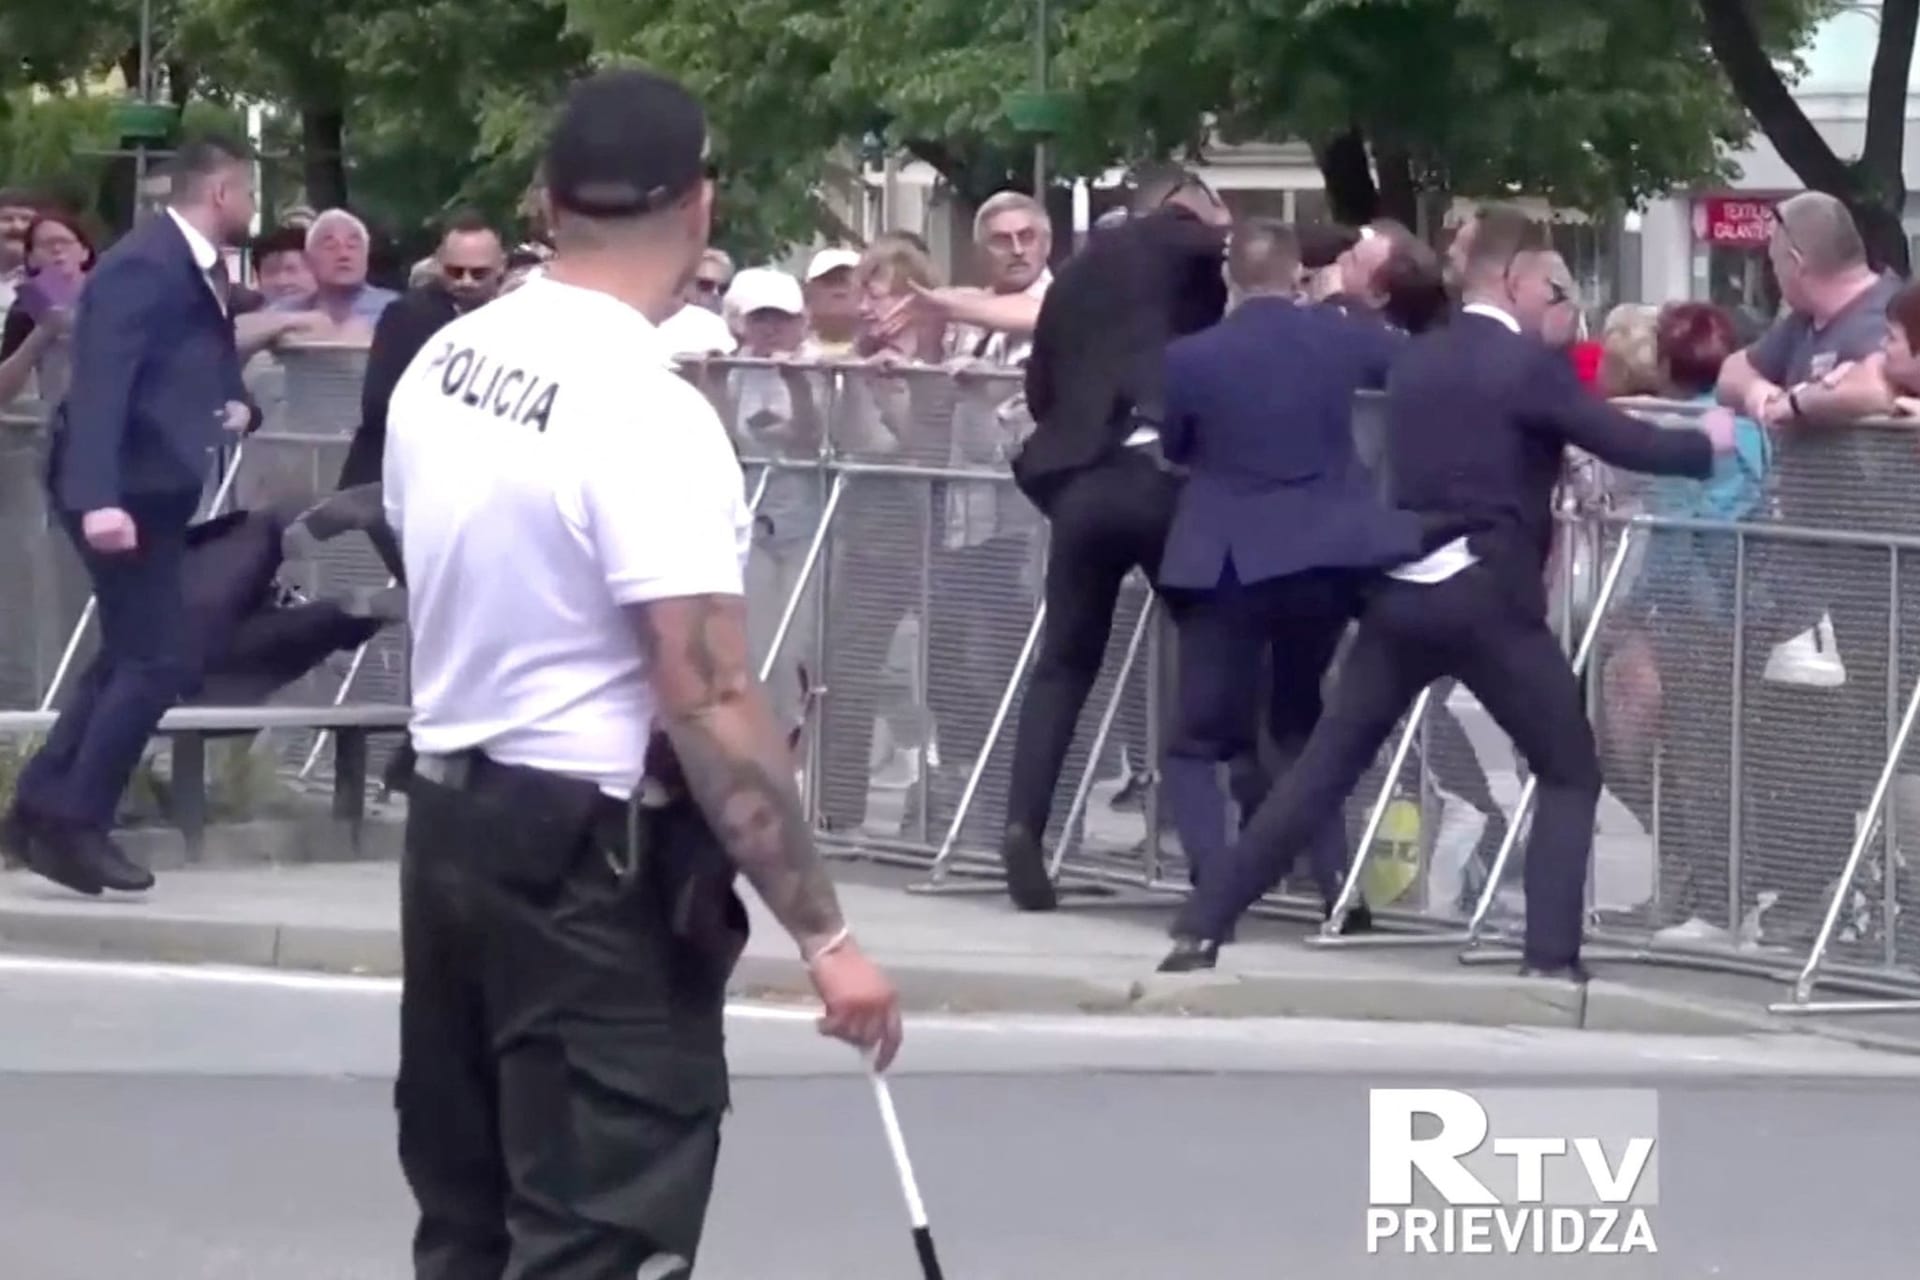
(1026, 867)
(1575, 973)
(49, 850)
(89, 856)
(1191, 955)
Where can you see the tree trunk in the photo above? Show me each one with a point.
(323, 161)
(129, 64)
(1351, 194)
(1399, 192)
(1875, 188)
(1884, 234)
(179, 84)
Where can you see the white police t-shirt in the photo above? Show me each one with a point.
(545, 466)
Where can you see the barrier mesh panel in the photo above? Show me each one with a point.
(44, 588)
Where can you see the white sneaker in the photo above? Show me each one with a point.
(1810, 659)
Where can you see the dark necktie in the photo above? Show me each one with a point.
(222, 282)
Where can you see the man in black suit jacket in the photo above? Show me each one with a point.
(469, 265)
(156, 388)
(1094, 468)
(1479, 414)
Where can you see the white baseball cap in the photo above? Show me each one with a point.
(765, 289)
(831, 260)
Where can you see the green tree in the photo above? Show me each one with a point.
(795, 87)
(1401, 100)
(1589, 104)
(1873, 184)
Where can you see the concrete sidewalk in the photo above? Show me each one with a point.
(950, 952)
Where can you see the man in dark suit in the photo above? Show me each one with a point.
(1093, 464)
(1479, 414)
(468, 267)
(1276, 517)
(156, 389)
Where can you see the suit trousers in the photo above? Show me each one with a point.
(1105, 522)
(1474, 627)
(147, 661)
(1297, 622)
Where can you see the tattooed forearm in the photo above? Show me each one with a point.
(756, 813)
(732, 758)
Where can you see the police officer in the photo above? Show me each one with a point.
(596, 759)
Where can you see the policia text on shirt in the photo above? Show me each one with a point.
(595, 758)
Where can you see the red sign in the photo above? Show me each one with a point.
(1733, 220)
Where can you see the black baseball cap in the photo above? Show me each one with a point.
(627, 142)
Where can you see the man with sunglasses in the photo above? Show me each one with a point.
(469, 265)
(700, 327)
(1093, 464)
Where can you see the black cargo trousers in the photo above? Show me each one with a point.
(562, 1075)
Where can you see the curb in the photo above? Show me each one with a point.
(1485, 999)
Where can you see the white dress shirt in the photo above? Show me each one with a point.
(205, 256)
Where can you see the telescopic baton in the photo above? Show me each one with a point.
(903, 1167)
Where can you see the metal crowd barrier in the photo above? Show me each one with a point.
(1749, 827)
(311, 395)
(1754, 815)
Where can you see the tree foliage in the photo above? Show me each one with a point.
(407, 107)
(1591, 104)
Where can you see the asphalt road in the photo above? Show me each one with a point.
(207, 1126)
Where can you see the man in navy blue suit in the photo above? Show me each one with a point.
(1479, 414)
(156, 390)
(1274, 534)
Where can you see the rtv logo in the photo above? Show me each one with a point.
(1520, 1171)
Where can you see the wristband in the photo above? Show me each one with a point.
(837, 942)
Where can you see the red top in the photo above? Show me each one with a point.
(1586, 363)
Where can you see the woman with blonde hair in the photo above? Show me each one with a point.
(1630, 351)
